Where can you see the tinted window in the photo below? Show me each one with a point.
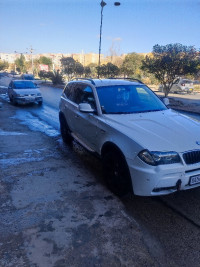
(84, 94)
(80, 93)
(69, 91)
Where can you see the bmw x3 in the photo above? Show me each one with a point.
(146, 148)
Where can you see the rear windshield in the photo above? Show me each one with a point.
(28, 77)
(24, 85)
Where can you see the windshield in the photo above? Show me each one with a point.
(24, 85)
(124, 99)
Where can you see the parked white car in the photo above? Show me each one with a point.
(145, 147)
(180, 86)
(23, 92)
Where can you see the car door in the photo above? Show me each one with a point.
(86, 124)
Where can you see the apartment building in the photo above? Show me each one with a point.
(84, 58)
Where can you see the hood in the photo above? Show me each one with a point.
(159, 131)
(28, 91)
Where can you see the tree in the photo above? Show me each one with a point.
(170, 61)
(68, 65)
(45, 61)
(71, 67)
(93, 69)
(3, 65)
(42, 60)
(78, 69)
(21, 63)
(55, 77)
(45, 75)
(87, 71)
(131, 66)
(108, 70)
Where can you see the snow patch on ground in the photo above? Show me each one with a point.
(10, 133)
(35, 124)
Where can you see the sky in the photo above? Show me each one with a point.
(73, 26)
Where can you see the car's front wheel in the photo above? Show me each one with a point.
(116, 173)
(65, 131)
(12, 100)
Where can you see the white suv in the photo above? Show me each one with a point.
(145, 147)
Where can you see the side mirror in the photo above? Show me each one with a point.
(36, 85)
(86, 108)
(166, 101)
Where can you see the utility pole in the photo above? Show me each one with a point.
(31, 51)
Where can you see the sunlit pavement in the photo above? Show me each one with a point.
(56, 210)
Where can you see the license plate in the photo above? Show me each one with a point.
(194, 179)
(30, 98)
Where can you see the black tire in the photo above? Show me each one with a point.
(116, 173)
(65, 131)
(40, 103)
(13, 101)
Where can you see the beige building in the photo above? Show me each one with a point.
(84, 59)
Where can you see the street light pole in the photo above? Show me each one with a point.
(102, 4)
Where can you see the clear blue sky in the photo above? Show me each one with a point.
(70, 26)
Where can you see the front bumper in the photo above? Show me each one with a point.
(161, 180)
(26, 100)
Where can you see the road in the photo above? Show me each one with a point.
(170, 225)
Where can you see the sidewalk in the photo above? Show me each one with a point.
(190, 103)
(54, 211)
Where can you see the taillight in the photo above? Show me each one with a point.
(182, 84)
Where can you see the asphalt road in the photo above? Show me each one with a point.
(170, 224)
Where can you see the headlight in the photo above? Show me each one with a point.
(159, 158)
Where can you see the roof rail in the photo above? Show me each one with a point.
(130, 79)
(87, 79)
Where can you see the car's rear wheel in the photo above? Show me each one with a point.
(116, 173)
(65, 131)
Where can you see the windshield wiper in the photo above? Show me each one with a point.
(151, 110)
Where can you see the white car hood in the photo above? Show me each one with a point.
(27, 91)
(159, 131)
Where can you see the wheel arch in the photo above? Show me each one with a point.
(109, 146)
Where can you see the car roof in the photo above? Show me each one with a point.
(22, 81)
(108, 82)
